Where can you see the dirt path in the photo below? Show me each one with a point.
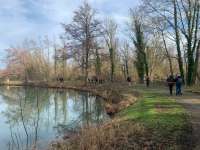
(191, 103)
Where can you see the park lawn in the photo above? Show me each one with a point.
(161, 115)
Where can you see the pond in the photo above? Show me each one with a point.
(36, 116)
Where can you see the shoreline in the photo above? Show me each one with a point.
(112, 106)
(129, 106)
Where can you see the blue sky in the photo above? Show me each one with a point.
(21, 19)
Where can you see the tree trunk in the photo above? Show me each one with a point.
(146, 64)
(190, 65)
(98, 64)
(180, 61)
(127, 69)
(86, 66)
(196, 65)
(112, 63)
(55, 62)
(124, 72)
(168, 55)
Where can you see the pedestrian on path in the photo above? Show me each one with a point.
(170, 83)
(179, 82)
(129, 80)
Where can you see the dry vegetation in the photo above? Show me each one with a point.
(153, 122)
(111, 136)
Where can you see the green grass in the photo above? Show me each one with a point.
(155, 121)
(159, 114)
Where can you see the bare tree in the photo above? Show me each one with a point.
(125, 57)
(83, 30)
(110, 31)
(161, 28)
(182, 17)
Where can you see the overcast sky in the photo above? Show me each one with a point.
(20, 19)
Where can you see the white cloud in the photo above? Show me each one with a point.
(20, 19)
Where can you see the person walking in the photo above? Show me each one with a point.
(129, 80)
(179, 82)
(170, 83)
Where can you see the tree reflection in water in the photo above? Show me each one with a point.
(34, 116)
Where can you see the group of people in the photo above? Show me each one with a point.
(171, 82)
(178, 81)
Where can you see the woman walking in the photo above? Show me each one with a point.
(170, 83)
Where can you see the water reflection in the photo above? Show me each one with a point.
(33, 116)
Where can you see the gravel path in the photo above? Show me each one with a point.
(191, 103)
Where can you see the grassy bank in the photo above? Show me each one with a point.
(163, 117)
(155, 121)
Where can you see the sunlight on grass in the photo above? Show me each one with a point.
(159, 114)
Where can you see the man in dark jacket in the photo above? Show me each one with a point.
(129, 80)
(179, 82)
(170, 83)
(147, 81)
